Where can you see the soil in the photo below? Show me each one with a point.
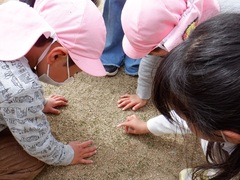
(93, 114)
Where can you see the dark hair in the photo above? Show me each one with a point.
(200, 78)
(96, 2)
(29, 2)
(70, 61)
(42, 40)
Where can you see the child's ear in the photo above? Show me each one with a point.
(158, 52)
(55, 53)
(232, 136)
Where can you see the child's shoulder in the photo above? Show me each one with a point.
(229, 6)
(16, 77)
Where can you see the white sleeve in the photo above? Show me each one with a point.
(160, 125)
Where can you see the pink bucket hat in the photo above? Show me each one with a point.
(21, 26)
(161, 23)
(80, 28)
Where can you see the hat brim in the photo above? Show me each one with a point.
(20, 32)
(133, 52)
(91, 66)
(14, 49)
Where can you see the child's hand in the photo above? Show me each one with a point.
(54, 101)
(133, 125)
(82, 151)
(127, 101)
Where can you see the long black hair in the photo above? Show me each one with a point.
(200, 78)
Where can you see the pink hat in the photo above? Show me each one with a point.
(21, 26)
(80, 28)
(148, 24)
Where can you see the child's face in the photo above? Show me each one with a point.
(216, 135)
(158, 52)
(57, 61)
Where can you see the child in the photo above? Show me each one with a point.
(113, 56)
(149, 63)
(176, 19)
(200, 80)
(73, 42)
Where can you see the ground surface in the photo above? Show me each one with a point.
(93, 114)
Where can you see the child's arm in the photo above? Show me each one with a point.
(157, 125)
(29, 125)
(133, 125)
(146, 73)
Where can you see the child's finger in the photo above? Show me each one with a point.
(127, 106)
(130, 130)
(54, 111)
(122, 100)
(120, 125)
(123, 103)
(60, 103)
(126, 124)
(136, 107)
(125, 96)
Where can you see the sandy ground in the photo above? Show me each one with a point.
(93, 114)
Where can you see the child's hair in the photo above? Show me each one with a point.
(200, 79)
(96, 2)
(42, 40)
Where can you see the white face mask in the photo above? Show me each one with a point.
(47, 79)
